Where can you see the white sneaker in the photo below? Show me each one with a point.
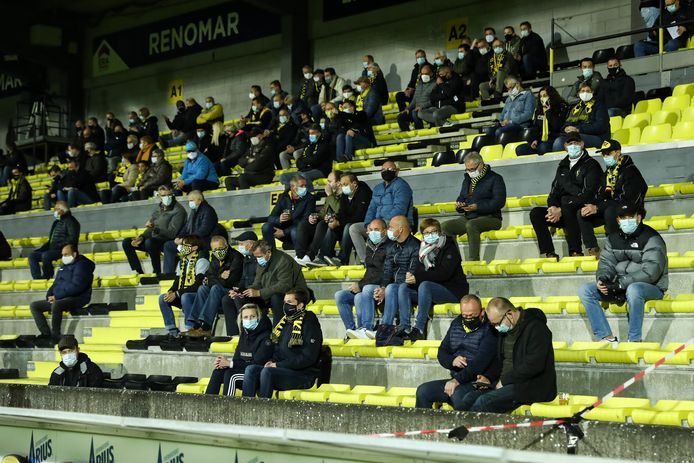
(370, 334)
(359, 333)
(304, 261)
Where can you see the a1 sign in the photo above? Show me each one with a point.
(175, 91)
(455, 30)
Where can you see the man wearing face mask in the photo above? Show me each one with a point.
(301, 140)
(621, 184)
(198, 172)
(480, 74)
(76, 368)
(71, 290)
(501, 65)
(146, 146)
(116, 145)
(633, 268)
(525, 361)
(162, 226)
(333, 86)
(440, 59)
(297, 340)
(315, 161)
(378, 82)
(95, 163)
(518, 110)
(353, 132)
(512, 42)
(322, 91)
(259, 116)
(212, 114)
(674, 37)
(532, 50)
(284, 133)
(293, 207)
(78, 185)
(150, 124)
(159, 173)
(575, 185)
(308, 91)
(588, 118)
(420, 100)
(361, 293)
(276, 90)
(224, 274)
(348, 94)
(469, 349)
(258, 162)
(464, 66)
(391, 198)
(588, 76)
(447, 97)
(65, 229)
(20, 193)
(405, 97)
(177, 135)
(232, 301)
(617, 89)
(481, 198)
(369, 101)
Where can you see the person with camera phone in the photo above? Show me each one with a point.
(632, 269)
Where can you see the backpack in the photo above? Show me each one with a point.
(387, 335)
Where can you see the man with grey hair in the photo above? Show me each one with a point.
(518, 109)
(481, 198)
(65, 229)
(161, 227)
(293, 207)
(525, 365)
(447, 98)
(421, 100)
(96, 163)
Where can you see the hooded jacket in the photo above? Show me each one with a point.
(304, 358)
(578, 185)
(64, 231)
(617, 91)
(479, 347)
(84, 374)
(254, 347)
(74, 280)
(630, 187)
(447, 270)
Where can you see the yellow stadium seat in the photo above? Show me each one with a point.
(687, 114)
(627, 137)
(616, 123)
(656, 134)
(346, 398)
(676, 103)
(683, 89)
(648, 106)
(665, 117)
(510, 150)
(368, 389)
(640, 120)
(492, 152)
(683, 130)
(625, 352)
(383, 400)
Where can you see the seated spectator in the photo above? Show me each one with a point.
(213, 115)
(201, 222)
(158, 173)
(13, 158)
(330, 124)
(575, 185)
(588, 118)
(276, 89)
(333, 86)
(421, 100)
(71, 290)
(548, 120)
(481, 198)
(309, 89)
(78, 186)
(76, 369)
(617, 89)
(512, 43)
(369, 102)
(297, 108)
(440, 59)
(297, 340)
(19, 197)
(65, 230)
(315, 160)
(588, 76)
(97, 132)
(405, 97)
(469, 349)
(447, 98)
(525, 362)
(464, 66)
(361, 293)
(203, 139)
(120, 192)
(285, 132)
(436, 279)
(254, 348)
(321, 99)
(244, 244)
(293, 207)
(650, 13)
(348, 94)
(164, 224)
(365, 61)
(150, 126)
(621, 184)
(259, 116)
(237, 143)
(258, 162)
(276, 272)
(377, 82)
(401, 259)
(135, 126)
(518, 109)
(296, 147)
(95, 163)
(146, 146)
(391, 198)
(633, 268)
(5, 249)
(132, 145)
(674, 38)
(489, 35)
(481, 70)
(49, 198)
(353, 132)
(190, 274)
(74, 152)
(177, 135)
(501, 65)
(532, 51)
(198, 172)
(257, 92)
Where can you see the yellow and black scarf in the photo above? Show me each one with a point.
(187, 274)
(612, 174)
(496, 63)
(361, 98)
(581, 112)
(475, 181)
(297, 322)
(14, 188)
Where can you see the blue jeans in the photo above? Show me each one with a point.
(399, 299)
(206, 305)
(498, 130)
(346, 145)
(428, 294)
(643, 47)
(38, 259)
(170, 256)
(74, 197)
(490, 400)
(263, 381)
(169, 140)
(433, 391)
(364, 303)
(637, 295)
(590, 141)
(185, 302)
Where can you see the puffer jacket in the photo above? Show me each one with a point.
(400, 259)
(157, 174)
(64, 231)
(479, 347)
(422, 95)
(639, 257)
(74, 280)
(390, 200)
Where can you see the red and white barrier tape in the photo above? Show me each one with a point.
(530, 424)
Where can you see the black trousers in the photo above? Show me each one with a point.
(402, 100)
(56, 309)
(230, 378)
(153, 246)
(568, 222)
(305, 236)
(608, 218)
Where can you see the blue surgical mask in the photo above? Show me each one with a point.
(192, 205)
(421, 60)
(276, 104)
(301, 191)
(671, 8)
(498, 50)
(431, 238)
(609, 161)
(461, 54)
(375, 236)
(438, 61)
(574, 151)
(391, 236)
(628, 226)
(313, 138)
(501, 328)
(70, 359)
(346, 190)
(262, 261)
(208, 105)
(131, 146)
(370, 73)
(273, 92)
(166, 200)
(283, 119)
(250, 324)
(587, 73)
(322, 125)
(255, 109)
(242, 249)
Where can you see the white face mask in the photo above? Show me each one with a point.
(359, 88)
(67, 260)
(316, 79)
(208, 105)
(70, 359)
(524, 33)
(307, 75)
(251, 96)
(347, 95)
(192, 155)
(255, 141)
(483, 51)
(155, 160)
(585, 96)
(426, 78)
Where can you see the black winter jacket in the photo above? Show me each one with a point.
(202, 222)
(85, 374)
(254, 347)
(81, 180)
(449, 93)
(299, 209)
(479, 347)
(316, 156)
(630, 187)
(617, 91)
(353, 210)
(555, 120)
(374, 262)
(303, 359)
(400, 259)
(447, 270)
(575, 186)
(63, 231)
(250, 265)
(489, 195)
(233, 262)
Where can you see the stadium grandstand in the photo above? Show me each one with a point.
(364, 230)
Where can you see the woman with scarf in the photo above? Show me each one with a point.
(297, 341)
(254, 348)
(438, 277)
(550, 114)
(189, 276)
(588, 118)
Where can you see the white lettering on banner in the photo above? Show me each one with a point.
(193, 33)
(9, 82)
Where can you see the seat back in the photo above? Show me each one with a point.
(625, 52)
(665, 117)
(676, 103)
(442, 158)
(325, 366)
(481, 141)
(683, 130)
(656, 134)
(602, 56)
(648, 106)
(662, 92)
(508, 137)
(640, 120)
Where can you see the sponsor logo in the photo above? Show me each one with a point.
(102, 454)
(41, 450)
(175, 456)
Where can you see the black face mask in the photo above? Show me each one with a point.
(388, 175)
(472, 324)
(612, 71)
(290, 309)
(508, 37)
